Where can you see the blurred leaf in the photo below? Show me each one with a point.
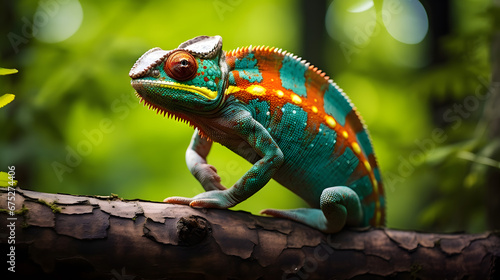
(5, 71)
(479, 159)
(6, 99)
(5, 180)
(443, 153)
(481, 162)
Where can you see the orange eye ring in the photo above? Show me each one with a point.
(181, 66)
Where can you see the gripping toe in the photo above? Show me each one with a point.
(178, 200)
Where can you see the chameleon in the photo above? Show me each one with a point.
(279, 112)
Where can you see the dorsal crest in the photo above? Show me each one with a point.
(294, 74)
(273, 68)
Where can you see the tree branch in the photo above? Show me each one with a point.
(61, 236)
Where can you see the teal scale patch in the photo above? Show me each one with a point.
(252, 75)
(368, 213)
(362, 186)
(381, 198)
(344, 165)
(292, 75)
(314, 159)
(364, 141)
(231, 79)
(376, 172)
(307, 155)
(291, 127)
(260, 111)
(336, 104)
(327, 137)
(248, 62)
(248, 68)
(208, 70)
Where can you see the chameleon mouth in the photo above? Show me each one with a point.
(205, 92)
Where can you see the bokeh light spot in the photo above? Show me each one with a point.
(54, 21)
(358, 6)
(351, 22)
(406, 21)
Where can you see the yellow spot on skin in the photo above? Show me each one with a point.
(375, 185)
(232, 89)
(314, 109)
(368, 166)
(330, 121)
(356, 148)
(279, 93)
(345, 134)
(256, 90)
(296, 99)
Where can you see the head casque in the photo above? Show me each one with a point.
(189, 79)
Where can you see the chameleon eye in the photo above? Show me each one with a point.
(181, 66)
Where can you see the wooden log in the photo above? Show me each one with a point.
(59, 236)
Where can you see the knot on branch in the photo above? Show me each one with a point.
(193, 230)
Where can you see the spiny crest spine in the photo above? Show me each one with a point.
(267, 49)
(308, 65)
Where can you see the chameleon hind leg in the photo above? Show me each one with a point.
(340, 206)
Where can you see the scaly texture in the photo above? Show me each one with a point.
(281, 114)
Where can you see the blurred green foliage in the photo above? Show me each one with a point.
(76, 127)
(7, 97)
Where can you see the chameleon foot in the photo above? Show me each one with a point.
(339, 205)
(309, 216)
(212, 199)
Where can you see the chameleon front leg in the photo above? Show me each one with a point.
(260, 173)
(196, 160)
(339, 206)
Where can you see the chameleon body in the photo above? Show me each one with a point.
(281, 114)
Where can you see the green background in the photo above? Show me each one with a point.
(76, 126)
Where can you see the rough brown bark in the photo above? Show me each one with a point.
(80, 237)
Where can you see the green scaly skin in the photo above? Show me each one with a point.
(281, 114)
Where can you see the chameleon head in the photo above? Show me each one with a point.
(186, 80)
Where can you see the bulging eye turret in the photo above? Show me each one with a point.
(181, 66)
